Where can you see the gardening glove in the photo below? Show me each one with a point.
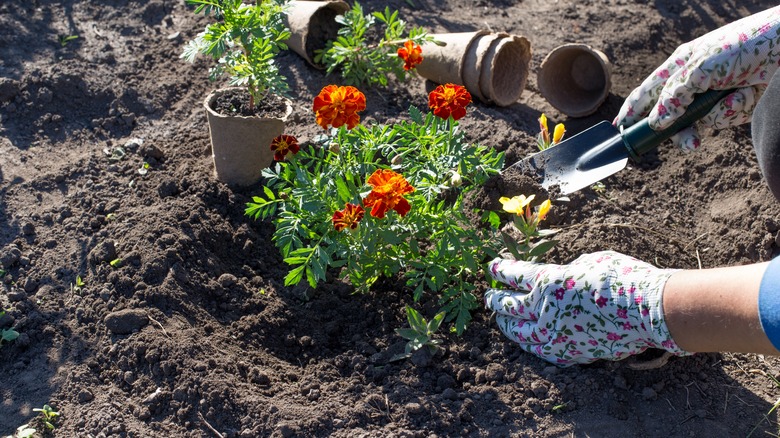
(604, 305)
(740, 56)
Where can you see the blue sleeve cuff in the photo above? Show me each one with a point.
(769, 302)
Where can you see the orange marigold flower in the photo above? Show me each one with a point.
(348, 218)
(449, 100)
(337, 106)
(387, 194)
(284, 147)
(411, 53)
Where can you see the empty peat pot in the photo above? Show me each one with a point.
(575, 79)
(312, 24)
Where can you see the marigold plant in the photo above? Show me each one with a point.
(365, 55)
(375, 201)
(243, 40)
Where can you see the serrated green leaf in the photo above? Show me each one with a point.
(294, 276)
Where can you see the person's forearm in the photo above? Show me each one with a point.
(716, 310)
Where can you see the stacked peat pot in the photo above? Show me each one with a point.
(492, 66)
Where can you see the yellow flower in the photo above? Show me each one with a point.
(558, 134)
(544, 208)
(516, 204)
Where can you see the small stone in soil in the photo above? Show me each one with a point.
(126, 321)
(85, 396)
(103, 252)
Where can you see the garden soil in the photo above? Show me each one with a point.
(193, 334)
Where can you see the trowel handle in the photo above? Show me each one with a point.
(640, 138)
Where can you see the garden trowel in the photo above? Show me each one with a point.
(604, 149)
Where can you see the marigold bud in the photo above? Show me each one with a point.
(284, 195)
(335, 148)
(456, 180)
(396, 160)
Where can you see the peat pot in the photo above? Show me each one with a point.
(241, 146)
(492, 66)
(312, 24)
(575, 79)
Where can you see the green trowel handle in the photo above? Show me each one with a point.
(640, 138)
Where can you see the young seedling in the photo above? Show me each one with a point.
(115, 263)
(144, 169)
(7, 335)
(420, 332)
(65, 39)
(78, 286)
(50, 416)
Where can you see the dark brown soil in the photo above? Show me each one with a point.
(194, 335)
(237, 102)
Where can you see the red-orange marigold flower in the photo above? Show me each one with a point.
(449, 100)
(411, 53)
(387, 194)
(337, 106)
(348, 218)
(284, 146)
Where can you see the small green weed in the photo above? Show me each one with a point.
(65, 39)
(7, 335)
(420, 332)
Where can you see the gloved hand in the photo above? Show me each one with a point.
(604, 305)
(741, 56)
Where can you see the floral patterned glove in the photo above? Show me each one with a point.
(741, 56)
(604, 305)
